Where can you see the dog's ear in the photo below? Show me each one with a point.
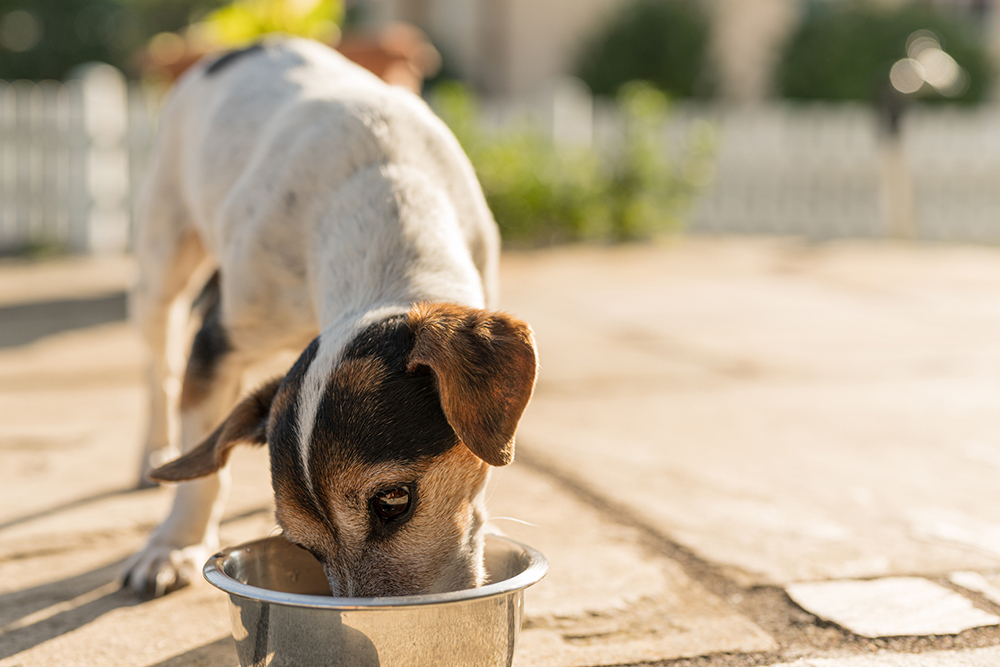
(247, 423)
(485, 366)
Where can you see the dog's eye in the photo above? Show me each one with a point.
(391, 503)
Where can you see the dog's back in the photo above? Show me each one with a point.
(271, 141)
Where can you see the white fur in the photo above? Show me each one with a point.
(327, 199)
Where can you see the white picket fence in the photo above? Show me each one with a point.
(73, 156)
(819, 171)
(824, 172)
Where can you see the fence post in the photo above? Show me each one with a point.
(101, 167)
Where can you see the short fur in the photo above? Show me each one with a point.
(335, 209)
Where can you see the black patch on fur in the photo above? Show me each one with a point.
(211, 343)
(374, 410)
(228, 58)
(287, 474)
(208, 296)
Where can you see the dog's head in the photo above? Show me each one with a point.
(380, 450)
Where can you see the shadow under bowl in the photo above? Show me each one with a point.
(283, 614)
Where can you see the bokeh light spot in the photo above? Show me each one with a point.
(167, 48)
(907, 76)
(20, 31)
(941, 71)
(921, 41)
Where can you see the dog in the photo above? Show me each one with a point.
(341, 218)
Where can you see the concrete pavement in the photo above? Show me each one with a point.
(720, 427)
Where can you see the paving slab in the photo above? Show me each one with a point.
(607, 600)
(985, 657)
(73, 406)
(890, 607)
(986, 584)
(24, 281)
(788, 412)
(78, 616)
(73, 409)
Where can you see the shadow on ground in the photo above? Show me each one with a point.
(75, 602)
(25, 323)
(33, 616)
(220, 653)
(72, 504)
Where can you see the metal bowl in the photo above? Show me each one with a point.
(283, 614)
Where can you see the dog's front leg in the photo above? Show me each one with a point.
(176, 551)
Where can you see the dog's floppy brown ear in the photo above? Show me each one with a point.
(247, 423)
(485, 366)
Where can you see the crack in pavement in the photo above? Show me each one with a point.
(798, 633)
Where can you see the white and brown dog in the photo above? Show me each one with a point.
(340, 210)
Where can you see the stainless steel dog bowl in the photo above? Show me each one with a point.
(283, 614)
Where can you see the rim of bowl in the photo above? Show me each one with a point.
(538, 567)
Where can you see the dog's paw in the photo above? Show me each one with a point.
(160, 569)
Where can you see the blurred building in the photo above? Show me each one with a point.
(746, 41)
(516, 47)
(511, 47)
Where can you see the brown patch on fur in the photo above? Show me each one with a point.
(448, 533)
(363, 480)
(360, 377)
(437, 549)
(246, 423)
(485, 365)
(300, 523)
(282, 400)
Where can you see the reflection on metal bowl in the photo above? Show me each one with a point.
(283, 615)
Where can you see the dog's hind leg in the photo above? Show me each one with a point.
(160, 306)
(178, 548)
(172, 263)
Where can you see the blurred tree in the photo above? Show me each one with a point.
(844, 51)
(660, 41)
(45, 39)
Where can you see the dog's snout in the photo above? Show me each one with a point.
(337, 589)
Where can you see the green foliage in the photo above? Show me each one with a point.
(72, 32)
(660, 41)
(243, 21)
(541, 194)
(61, 34)
(844, 52)
(68, 33)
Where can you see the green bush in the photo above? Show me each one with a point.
(845, 52)
(660, 41)
(541, 195)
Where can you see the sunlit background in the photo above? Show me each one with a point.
(756, 241)
(602, 120)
